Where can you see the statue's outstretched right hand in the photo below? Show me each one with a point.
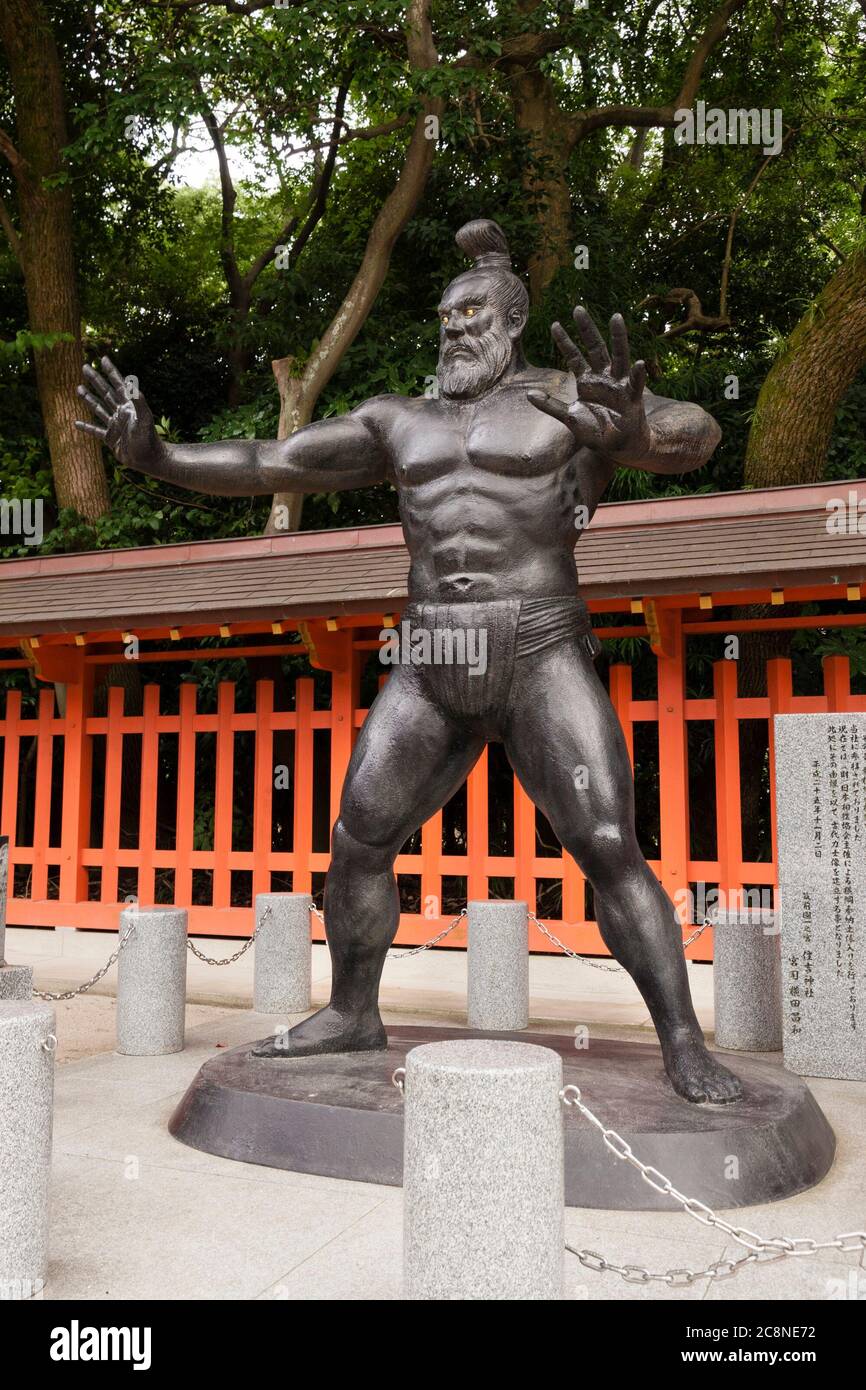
(123, 423)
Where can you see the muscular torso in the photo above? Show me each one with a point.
(488, 490)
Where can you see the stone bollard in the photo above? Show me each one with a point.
(283, 953)
(16, 981)
(498, 965)
(27, 1044)
(747, 980)
(483, 1181)
(151, 981)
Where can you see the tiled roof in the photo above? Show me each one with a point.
(702, 543)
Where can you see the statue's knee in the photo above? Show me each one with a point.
(606, 851)
(356, 843)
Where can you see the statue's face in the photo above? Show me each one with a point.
(475, 338)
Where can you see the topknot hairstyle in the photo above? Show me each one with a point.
(485, 243)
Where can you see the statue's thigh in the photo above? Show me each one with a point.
(566, 745)
(408, 760)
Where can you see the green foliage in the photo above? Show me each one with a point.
(151, 247)
(25, 342)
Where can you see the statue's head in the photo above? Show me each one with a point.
(482, 314)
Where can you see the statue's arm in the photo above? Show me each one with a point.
(612, 413)
(327, 456)
(346, 451)
(681, 437)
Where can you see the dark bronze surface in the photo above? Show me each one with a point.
(492, 474)
(340, 1115)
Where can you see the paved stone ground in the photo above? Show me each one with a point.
(137, 1215)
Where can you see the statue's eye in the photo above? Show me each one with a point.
(444, 318)
(470, 311)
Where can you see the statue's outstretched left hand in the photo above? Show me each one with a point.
(608, 414)
(123, 423)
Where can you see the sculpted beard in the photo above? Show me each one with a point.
(473, 366)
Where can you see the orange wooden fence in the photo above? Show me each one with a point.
(50, 878)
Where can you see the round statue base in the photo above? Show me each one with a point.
(341, 1116)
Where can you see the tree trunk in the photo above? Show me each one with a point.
(296, 410)
(788, 442)
(45, 249)
(550, 137)
(298, 396)
(797, 404)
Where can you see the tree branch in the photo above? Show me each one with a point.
(395, 212)
(298, 404)
(7, 148)
(732, 226)
(584, 122)
(228, 196)
(318, 199)
(11, 233)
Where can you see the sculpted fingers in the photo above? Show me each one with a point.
(95, 405)
(114, 377)
(550, 406)
(619, 360)
(593, 343)
(90, 429)
(574, 358)
(637, 377)
(100, 386)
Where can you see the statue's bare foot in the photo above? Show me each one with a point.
(697, 1076)
(327, 1031)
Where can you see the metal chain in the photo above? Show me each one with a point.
(229, 960)
(545, 931)
(434, 940)
(584, 960)
(699, 932)
(416, 950)
(94, 979)
(597, 965)
(761, 1250)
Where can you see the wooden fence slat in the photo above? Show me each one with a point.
(781, 701)
(112, 793)
(146, 888)
(344, 698)
(524, 846)
(837, 683)
(11, 760)
(263, 788)
(77, 788)
(185, 831)
(224, 794)
(620, 698)
(42, 800)
(729, 830)
(673, 769)
(302, 843)
(431, 858)
(477, 830)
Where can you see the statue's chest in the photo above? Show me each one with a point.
(506, 436)
(514, 439)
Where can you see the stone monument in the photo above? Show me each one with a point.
(496, 476)
(821, 812)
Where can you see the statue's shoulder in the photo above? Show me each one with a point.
(381, 411)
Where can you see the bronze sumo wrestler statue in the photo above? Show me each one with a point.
(490, 475)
